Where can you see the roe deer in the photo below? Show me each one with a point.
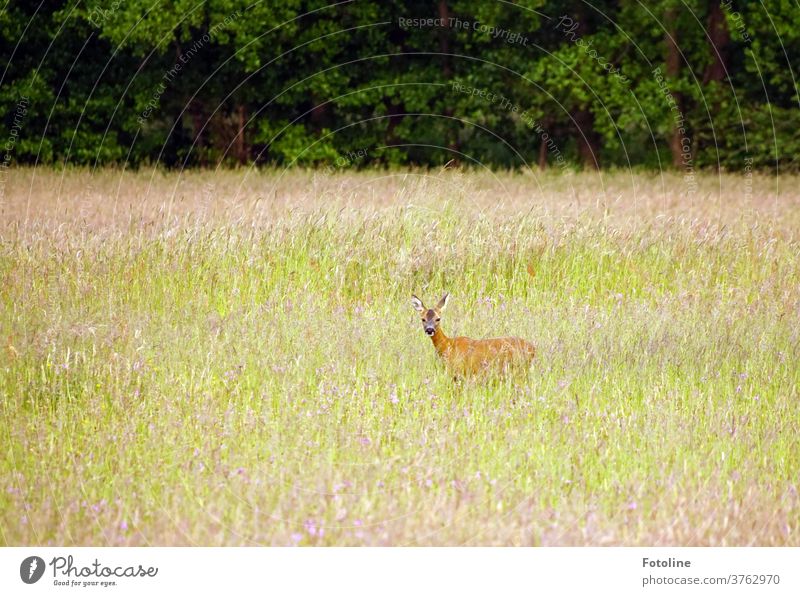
(465, 356)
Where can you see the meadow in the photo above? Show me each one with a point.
(232, 358)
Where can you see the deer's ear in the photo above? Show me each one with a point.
(417, 304)
(443, 302)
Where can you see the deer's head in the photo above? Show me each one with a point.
(430, 316)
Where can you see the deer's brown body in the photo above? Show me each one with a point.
(465, 356)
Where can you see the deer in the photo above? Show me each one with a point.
(466, 357)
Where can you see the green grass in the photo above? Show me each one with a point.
(232, 358)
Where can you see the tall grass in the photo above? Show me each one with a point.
(231, 357)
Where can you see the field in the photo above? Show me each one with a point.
(231, 358)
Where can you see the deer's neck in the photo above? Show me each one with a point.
(440, 341)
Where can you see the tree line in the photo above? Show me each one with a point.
(664, 83)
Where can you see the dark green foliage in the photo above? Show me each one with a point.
(606, 83)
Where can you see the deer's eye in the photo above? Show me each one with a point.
(439, 319)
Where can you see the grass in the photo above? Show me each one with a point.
(231, 358)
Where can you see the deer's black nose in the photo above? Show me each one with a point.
(429, 330)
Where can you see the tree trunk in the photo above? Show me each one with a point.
(396, 113)
(447, 73)
(319, 113)
(198, 123)
(720, 38)
(588, 141)
(586, 137)
(240, 149)
(444, 39)
(673, 62)
(542, 154)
